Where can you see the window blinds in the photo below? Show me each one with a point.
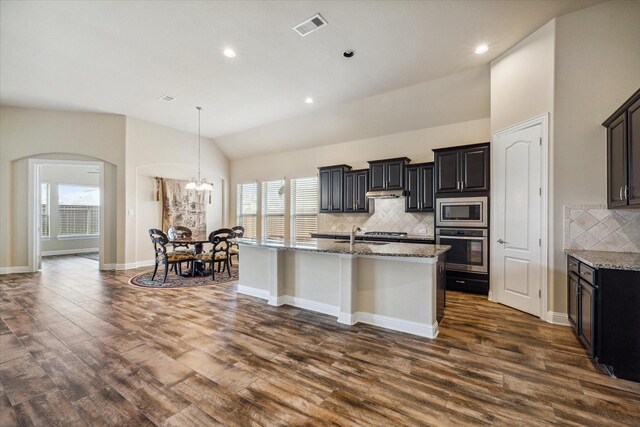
(273, 195)
(304, 208)
(246, 209)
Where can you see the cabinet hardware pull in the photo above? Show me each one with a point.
(461, 185)
(621, 193)
(460, 281)
(457, 185)
(626, 192)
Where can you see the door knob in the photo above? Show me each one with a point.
(501, 241)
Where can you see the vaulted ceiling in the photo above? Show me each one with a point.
(121, 56)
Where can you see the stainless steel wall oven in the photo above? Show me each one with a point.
(469, 249)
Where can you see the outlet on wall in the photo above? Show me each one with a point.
(423, 231)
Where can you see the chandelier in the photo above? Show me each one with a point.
(199, 184)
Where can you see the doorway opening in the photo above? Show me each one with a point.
(67, 204)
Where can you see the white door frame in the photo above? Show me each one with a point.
(34, 197)
(543, 120)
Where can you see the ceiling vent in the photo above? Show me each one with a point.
(310, 25)
(166, 98)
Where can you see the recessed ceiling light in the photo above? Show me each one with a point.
(348, 53)
(308, 100)
(166, 98)
(481, 49)
(229, 53)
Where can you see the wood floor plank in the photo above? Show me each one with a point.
(79, 346)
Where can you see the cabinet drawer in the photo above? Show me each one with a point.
(572, 265)
(588, 273)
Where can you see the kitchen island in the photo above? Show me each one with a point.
(398, 286)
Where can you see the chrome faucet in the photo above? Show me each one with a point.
(354, 231)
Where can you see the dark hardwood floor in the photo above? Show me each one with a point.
(83, 347)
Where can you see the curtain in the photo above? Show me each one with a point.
(183, 207)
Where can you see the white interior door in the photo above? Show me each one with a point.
(517, 269)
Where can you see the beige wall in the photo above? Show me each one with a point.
(416, 145)
(33, 133)
(579, 67)
(154, 150)
(597, 69)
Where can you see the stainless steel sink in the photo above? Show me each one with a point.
(360, 242)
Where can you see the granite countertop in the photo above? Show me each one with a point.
(359, 248)
(607, 260)
(362, 236)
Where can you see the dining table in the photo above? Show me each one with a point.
(198, 244)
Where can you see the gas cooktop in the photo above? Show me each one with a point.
(385, 233)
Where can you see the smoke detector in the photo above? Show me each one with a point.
(310, 25)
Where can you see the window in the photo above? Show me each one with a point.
(45, 217)
(273, 193)
(78, 210)
(304, 208)
(246, 209)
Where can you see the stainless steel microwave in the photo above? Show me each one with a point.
(462, 212)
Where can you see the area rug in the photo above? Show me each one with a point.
(175, 281)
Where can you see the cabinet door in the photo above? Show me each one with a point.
(447, 180)
(572, 301)
(586, 324)
(411, 202)
(617, 162)
(633, 152)
(324, 191)
(349, 191)
(474, 169)
(336, 190)
(361, 188)
(426, 188)
(394, 175)
(377, 179)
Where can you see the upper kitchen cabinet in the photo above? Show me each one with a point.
(623, 154)
(419, 184)
(356, 185)
(462, 169)
(387, 174)
(331, 188)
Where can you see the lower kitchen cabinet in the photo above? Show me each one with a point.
(602, 308)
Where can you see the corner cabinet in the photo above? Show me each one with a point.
(387, 174)
(356, 185)
(623, 155)
(602, 307)
(419, 184)
(330, 191)
(462, 169)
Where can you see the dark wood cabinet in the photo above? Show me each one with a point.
(462, 169)
(331, 181)
(419, 184)
(356, 185)
(603, 312)
(623, 154)
(387, 174)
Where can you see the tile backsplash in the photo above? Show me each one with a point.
(387, 215)
(594, 227)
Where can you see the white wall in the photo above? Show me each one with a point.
(66, 174)
(154, 150)
(597, 69)
(579, 67)
(32, 133)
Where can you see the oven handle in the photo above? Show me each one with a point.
(484, 239)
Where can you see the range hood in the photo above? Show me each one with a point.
(386, 194)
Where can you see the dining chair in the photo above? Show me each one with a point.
(180, 232)
(160, 241)
(219, 254)
(234, 249)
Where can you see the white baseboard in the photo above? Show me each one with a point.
(253, 292)
(306, 304)
(401, 325)
(557, 318)
(70, 251)
(12, 270)
(347, 318)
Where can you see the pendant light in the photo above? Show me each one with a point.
(199, 184)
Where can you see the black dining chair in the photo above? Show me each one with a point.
(160, 241)
(234, 249)
(218, 255)
(180, 232)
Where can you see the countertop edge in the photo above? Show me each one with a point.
(607, 260)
